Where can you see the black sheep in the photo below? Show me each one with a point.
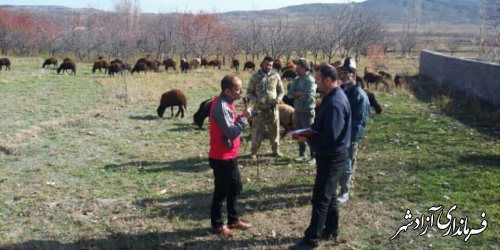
(68, 65)
(5, 62)
(203, 112)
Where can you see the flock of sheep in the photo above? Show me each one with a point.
(176, 97)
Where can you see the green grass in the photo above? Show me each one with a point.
(85, 163)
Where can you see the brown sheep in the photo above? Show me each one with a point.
(289, 74)
(101, 64)
(203, 112)
(286, 117)
(249, 65)
(5, 62)
(170, 63)
(372, 77)
(290, 65)
(235, 63)
(114, 68)
(185, 66)
(195, 63)
(215, 63)
(204, 62)
(141, 60)
(68, 65)
(277, 64)
(151, 64)
(67, 59)
(174, 97)
(399, 81)
(140, 67)
(385, 74)
(50, 61)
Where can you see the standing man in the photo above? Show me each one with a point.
(225, 129)
(303, 92)
(360, 109)
(265, 90)
(331, 142)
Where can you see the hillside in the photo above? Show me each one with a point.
(393, 11)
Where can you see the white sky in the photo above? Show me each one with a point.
(178, 5)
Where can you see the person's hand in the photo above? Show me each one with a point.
(298, 95)
(299, 138)
(246, 113)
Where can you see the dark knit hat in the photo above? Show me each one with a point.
(349, 65)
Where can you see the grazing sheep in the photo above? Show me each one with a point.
(50, 61)
(372, 77)
(170, 63)
(142, 60)
(67, 59)
(204, 62)
(195, 63)
(68, 65)
(399, 81)
(140, 67)
(249, 65)
(235, 63)
(101, 64)
(385, 74)
(185, 65)
(171, 98)
(115, 68)
(215, 63)
(5, 62)
(289, 74)
(203, 112)
(373, 101)
(152, 65)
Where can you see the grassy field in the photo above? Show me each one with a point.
(86, 164)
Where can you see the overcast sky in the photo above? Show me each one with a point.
(178, 5)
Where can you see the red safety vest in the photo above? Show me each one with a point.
(218, 150)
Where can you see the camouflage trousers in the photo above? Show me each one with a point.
(266, 120)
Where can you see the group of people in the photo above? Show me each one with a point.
(338, 121)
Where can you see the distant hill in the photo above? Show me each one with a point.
(392, 11)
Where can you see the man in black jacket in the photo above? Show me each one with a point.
(332, 140)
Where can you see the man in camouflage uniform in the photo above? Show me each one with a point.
(265, 90)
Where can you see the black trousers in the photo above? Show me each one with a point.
(227, 186)
(325, 212)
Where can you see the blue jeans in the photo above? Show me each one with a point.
(325, 213)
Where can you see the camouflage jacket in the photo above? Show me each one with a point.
(265, 90)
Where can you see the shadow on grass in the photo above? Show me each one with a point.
(144, 117)
(183, 127)
(481, 160)
(195, 165)
(196, 206)
(467, 109)
(179, 239)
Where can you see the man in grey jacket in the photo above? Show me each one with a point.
(303, 92)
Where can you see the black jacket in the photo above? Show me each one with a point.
(333, 124)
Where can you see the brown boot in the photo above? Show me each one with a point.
(224, 231)
(239, 224)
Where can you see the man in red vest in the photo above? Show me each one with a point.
(225, 129)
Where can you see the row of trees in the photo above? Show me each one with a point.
(126, 32)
